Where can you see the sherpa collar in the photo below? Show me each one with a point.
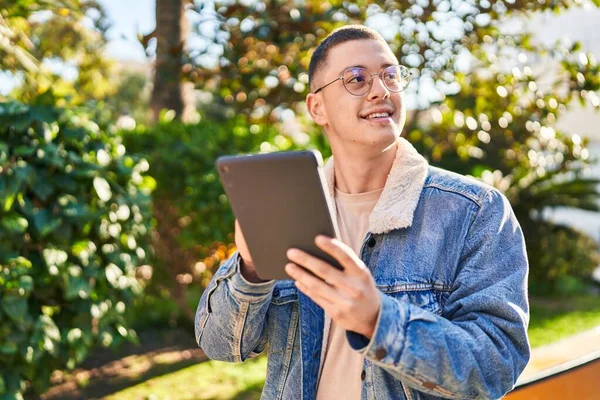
(398, 202)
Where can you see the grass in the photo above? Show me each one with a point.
(208, 380)
(551, 320)
(557, 318)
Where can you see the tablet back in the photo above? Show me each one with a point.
(280, 202)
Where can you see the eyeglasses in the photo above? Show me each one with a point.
(358, 80)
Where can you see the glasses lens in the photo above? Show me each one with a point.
(396, 78)
(356, 81)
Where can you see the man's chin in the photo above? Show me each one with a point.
(383, 138)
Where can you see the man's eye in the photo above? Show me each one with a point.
(357, 79)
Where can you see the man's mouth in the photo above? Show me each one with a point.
(378, 115)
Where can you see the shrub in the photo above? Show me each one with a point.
(562, 258)
(74, 220)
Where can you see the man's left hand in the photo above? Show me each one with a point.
(349, 297)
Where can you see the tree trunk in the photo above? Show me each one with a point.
(171, 31)
(175, 259)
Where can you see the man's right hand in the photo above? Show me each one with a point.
(247, 266)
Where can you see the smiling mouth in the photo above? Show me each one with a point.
(375, 116)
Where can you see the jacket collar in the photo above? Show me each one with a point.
(398, 202)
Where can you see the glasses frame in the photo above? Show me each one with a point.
(341, 77)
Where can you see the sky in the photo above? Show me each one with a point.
(129, 18)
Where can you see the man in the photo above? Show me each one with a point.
(432, 300)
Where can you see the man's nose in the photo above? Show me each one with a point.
(378, 89)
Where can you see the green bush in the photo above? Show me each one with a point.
(74, 221)
(567, 255)
(194, 232)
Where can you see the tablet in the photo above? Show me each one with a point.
(281, 201)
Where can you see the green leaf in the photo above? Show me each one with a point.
(43, 186)
(45, 222)
(79, 246)
(54, 256)
(50, 328)
(14, 223)
(77, 288)
(26, 283)
(102, 188)
(87, 171)
(24, 151)
(113, 273)
(8, 348)
(63, 235)
(9, 188)
(15, 307)
(66, 183)
(20, 262)
(76, 134)
(46, 334)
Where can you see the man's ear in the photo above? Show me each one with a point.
(316, 109)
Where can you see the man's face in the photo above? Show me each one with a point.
(349, 118)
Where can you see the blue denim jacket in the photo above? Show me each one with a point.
(448, 257)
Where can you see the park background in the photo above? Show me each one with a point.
(112, 115)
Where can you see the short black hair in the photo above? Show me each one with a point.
(338, 36)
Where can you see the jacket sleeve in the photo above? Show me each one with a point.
(230, 319)
(478, 347)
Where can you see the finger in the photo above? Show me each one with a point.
(320, 268)
(333, 308)
(342, 253)
(327, 305)
(312, 284)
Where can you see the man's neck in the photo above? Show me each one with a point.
(357, 171)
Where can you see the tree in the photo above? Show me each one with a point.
(71, 34)
(170, 35)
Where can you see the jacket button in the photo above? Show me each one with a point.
(363, 375)
(371, 242)
(380, 353)
(276, 292)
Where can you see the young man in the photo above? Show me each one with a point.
(432, 300)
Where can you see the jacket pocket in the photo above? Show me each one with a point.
(284, 292)
(427, 296)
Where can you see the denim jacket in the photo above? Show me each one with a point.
(448, 257)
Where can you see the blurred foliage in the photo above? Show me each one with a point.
(75, 218)
(264, 48)
(566, 258)
(60, 44)
(194, 219)
(130, 102)
(56, 44)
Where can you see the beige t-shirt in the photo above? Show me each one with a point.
(342, 367)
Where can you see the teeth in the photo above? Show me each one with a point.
(377, 115)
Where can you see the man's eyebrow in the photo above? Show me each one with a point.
(384, 65)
